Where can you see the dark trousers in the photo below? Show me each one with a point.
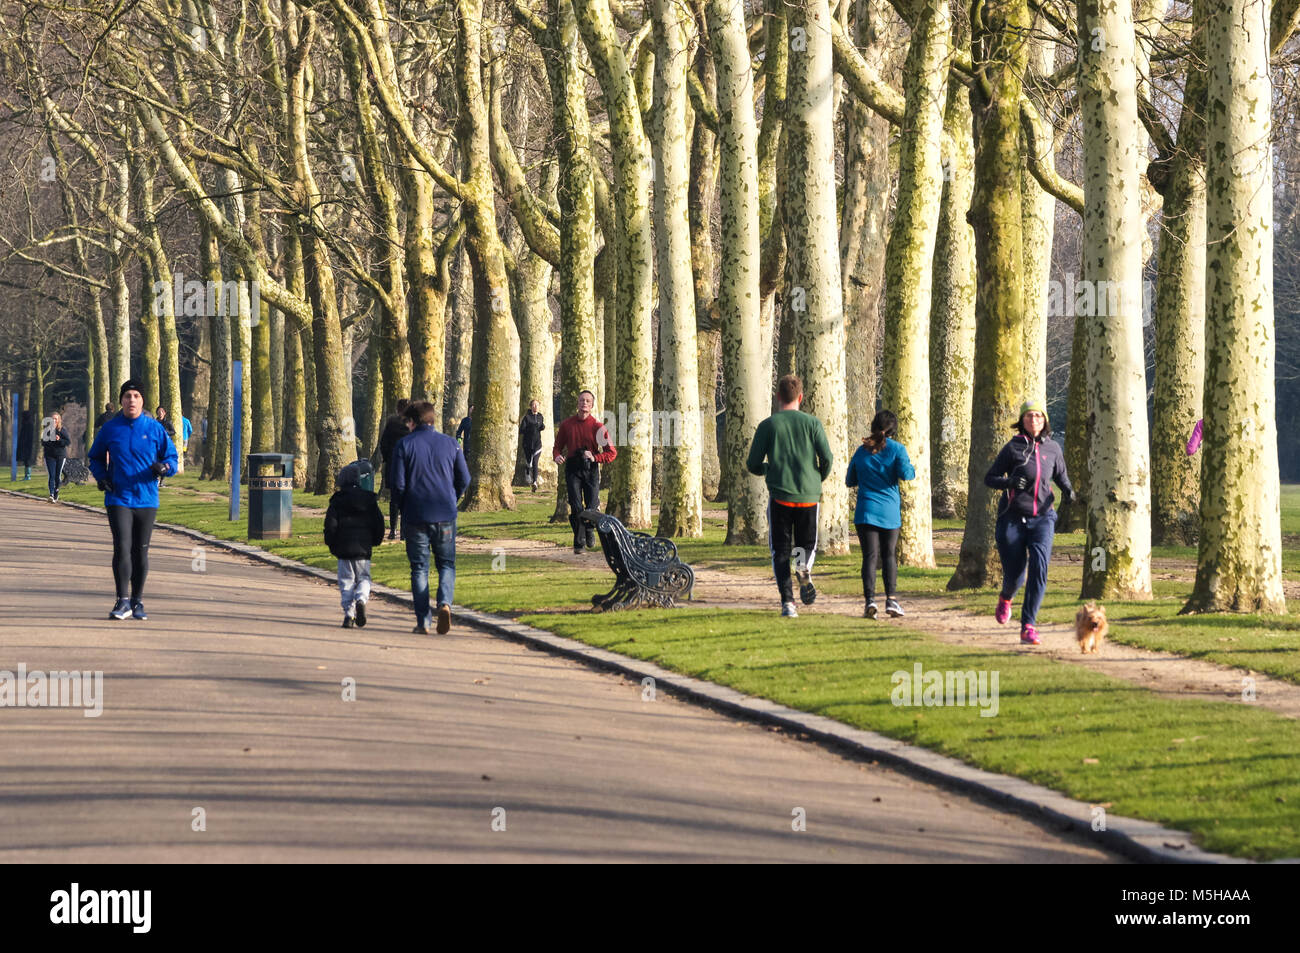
(531, 459)
(54, 467)
(583, 485)
(791, 533)
(131, 531)
(394, 505)
(1025, 542)
(879, 548)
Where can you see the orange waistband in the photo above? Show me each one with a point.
(788, 503)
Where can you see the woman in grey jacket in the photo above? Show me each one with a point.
(1025, 471)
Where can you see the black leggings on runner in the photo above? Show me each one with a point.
(131, 531)
(878, 549)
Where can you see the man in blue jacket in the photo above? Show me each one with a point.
(131, 453)
(429, 476)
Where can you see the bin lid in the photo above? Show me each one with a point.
(256, 460)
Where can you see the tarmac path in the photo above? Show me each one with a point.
(230, 699)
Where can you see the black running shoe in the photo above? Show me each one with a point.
(348, 622)
(361, 614)
(807, 591)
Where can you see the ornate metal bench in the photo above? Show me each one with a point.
(75, 471)
(647, 572)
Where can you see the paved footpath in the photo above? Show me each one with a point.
(230, 699)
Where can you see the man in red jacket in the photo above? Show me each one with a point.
(582, 444)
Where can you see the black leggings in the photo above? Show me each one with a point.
(131, 531)
(878, 549)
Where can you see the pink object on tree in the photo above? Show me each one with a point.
(1194, 444)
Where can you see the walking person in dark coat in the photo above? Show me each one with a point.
(27, 442)
(160, 415)
(530, 433)
(56, 453)
(462, 432)
(353, 525)
(395, 428)
(429, 477)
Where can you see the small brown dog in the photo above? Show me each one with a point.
(1090, 627)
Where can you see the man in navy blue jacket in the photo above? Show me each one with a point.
(131, 453)
(429, 476)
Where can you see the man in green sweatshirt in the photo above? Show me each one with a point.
(791, 451)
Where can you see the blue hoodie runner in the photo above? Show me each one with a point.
(124, 452)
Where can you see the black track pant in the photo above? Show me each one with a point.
(584, 494)
(131, 531)
(791, 535)
(394, 509)
(531, 457)
(879, 548)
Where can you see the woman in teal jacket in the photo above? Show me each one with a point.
(875, 470)
(131, 453)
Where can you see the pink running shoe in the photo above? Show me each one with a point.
(1029, 635)
(1003, 611)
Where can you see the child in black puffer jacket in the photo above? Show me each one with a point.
(353, 525)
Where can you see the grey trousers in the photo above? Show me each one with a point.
(354, 583)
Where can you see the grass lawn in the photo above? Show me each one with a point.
(1224, 772)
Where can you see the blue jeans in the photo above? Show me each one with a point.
(1025, 542)
(54, 469)
(441, 538)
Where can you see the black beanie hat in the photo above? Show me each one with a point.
(131, 384)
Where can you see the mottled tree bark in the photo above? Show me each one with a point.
(813, 294)
(908, 273)
(738, 285)
(389, 246)
(700, 199)
(999, 55)
(1117, 559)
(862, 224)
(629, 496)
(579, 347)
(334, 426)
(952, 311)
(495, 363)
(460, 343)
(1038, 228)
(678, 431)
(1180, 315)
(120, 352)
(1239, 561)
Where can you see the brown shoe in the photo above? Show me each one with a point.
(444, 619)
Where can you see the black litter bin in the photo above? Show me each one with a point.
(270, 495)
